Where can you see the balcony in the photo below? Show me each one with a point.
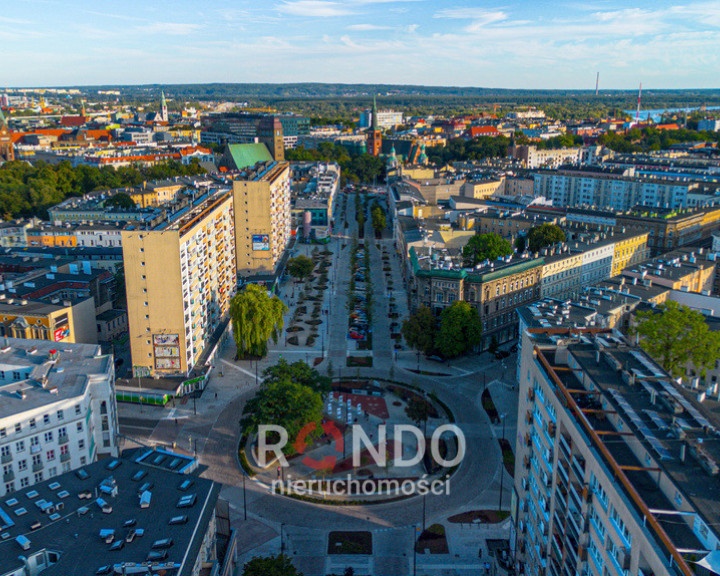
(65, 457)
(64, 439)
(9, 476)
(37, 466)
(6, 458)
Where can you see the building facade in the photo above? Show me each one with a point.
(58, 412)
(262, 218)
(179, 277)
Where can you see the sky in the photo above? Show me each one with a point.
(485, 43)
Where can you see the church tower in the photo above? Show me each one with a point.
(7, 152)
(374, 141)
(163, 108)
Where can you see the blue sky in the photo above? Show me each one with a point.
(521, 44)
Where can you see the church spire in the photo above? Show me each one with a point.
(163, 107)
(374, 114)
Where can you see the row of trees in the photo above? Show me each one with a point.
(649, 138)
(456, 331)
(353, 167)
(491, 246)
(463, 150)
(29, 190)
(379, 221)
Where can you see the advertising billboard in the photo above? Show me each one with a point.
(261, 242)
(166, 339)
(61, 333)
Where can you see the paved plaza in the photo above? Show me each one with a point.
(208, 426)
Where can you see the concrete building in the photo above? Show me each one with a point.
(530, 157)
(386, 119)
(58, 410)
(315, 188)
(613, 474)
(143, 514)
(179, 278)
(261, 200)
(610, 188)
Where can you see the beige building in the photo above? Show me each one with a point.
(262, 218)
(180, 277)
(483, 188)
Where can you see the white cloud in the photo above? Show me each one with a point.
(314, 8)
(169, 28)
(364, 27)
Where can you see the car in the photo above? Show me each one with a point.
(436, 357)
(356, 336)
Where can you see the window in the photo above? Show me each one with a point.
(79, 426)
(38, 477)
(46, 419)
(48, 436)
(22, 465)
(32, 422)
(83, 460)
(81, 444)
(60, 415)
(37, 459)
(63, 449)
(3, 432)
(5, 450)
(20, 446)
(18, 428)
(34, 441)
(50, 455)
(24, 482)
(77, 409)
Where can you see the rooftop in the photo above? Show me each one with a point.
(677, 428)
(49, 372)
(86, 517)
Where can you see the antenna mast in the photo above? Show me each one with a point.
(637, 116)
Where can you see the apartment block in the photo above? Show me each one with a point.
(58, 410)
(613, 188)
(616, 465)
(179, 277)
(261, 199)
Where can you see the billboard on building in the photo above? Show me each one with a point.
(166, 339)
(167, 351)
(261, 242)
(61, 333)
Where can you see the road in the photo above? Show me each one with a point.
(211, 429)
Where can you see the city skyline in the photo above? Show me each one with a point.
(461, 43)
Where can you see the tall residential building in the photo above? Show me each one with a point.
(262, 217)
(179, 276)
(616, 465)
(58, 410)
(614, 188)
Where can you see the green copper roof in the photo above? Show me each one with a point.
(247, 155)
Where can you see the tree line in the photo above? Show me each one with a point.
(353, 167)
(29, 190)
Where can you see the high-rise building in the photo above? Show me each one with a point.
(179, 276)
(262, 217)
(58, 409)
(374, 135)
(270, 133)
(616, 464)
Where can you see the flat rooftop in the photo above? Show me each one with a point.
(71, 524)
(49, 372)
(662, 415)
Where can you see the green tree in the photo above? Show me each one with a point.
(544, 235)
(256, 316)
(520, 244)
(485, 247)
(300, 267)
(460, 329)
(494, 345)
(279, 565)
(300, 373)
(120, 200)
(419, 329)
(418, 410)
(676, 335)
(285, 403)
(379, 222)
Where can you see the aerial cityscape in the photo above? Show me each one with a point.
(360, 288)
